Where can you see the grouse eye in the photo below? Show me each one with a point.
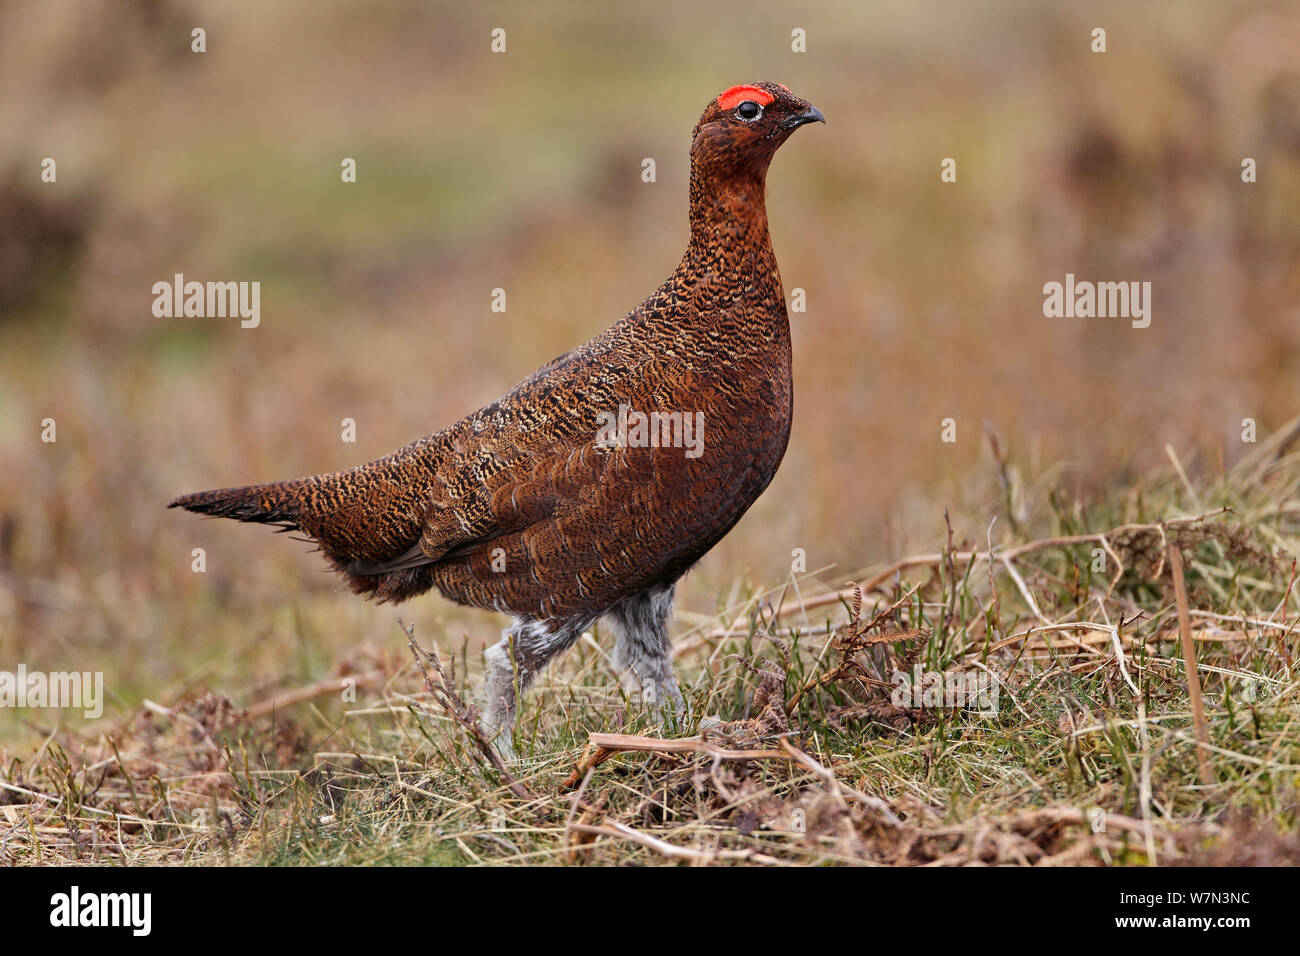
(749, 110)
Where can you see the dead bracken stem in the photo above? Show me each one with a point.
(856, 636)
(1189, 655)
(603, 746)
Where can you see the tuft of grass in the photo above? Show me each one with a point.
(797, 747)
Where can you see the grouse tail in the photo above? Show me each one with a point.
(278, 503)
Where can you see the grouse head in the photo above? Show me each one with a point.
(743, 127)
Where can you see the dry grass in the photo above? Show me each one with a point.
(795, 753)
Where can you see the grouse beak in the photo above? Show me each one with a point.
(814, 115)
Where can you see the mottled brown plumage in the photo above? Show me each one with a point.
(520, 509)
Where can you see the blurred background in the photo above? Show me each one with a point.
(522, 171)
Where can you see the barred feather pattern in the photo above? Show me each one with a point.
(517, 508)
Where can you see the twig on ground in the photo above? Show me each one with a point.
(603, 746)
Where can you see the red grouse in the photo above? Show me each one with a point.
(593, 485)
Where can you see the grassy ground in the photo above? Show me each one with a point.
(1091, 755)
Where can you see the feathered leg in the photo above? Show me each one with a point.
(510, 666)
(643, 649)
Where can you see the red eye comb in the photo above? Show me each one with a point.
(738, 94)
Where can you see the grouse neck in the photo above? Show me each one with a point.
(729, 259)
(729, 215)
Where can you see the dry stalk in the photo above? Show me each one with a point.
(1189, 655)
(603, 746)
(445, 695)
